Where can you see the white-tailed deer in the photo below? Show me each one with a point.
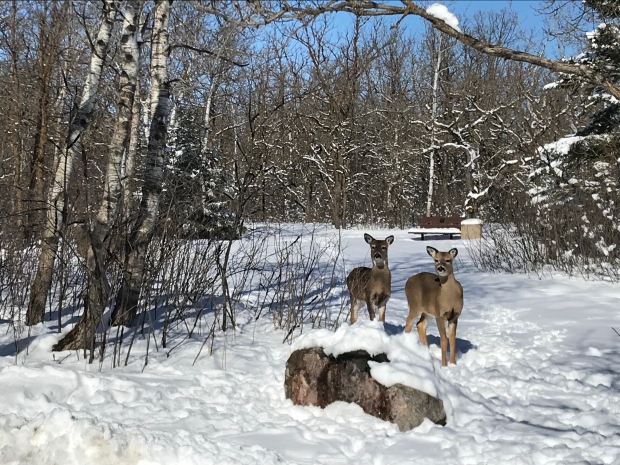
(372, 286)
(439, 295)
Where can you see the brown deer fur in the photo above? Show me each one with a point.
(436, 294)
(371, 286)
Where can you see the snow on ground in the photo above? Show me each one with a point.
(536, 383)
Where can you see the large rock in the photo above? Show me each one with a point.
(314, 378)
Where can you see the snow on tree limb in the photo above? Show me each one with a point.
(441, 12)
(300, 11)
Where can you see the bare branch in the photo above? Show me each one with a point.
(372, 8)
(207, 52)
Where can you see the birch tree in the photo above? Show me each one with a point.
(136, 248)
(434, 108)
(98, 291)
(56, 205)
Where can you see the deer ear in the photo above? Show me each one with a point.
(431, 251)
(368, 238)
(389, 240)
(453, 252)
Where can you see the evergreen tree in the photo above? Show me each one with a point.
(578, 175)
(197, 187)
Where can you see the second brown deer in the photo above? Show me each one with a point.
(436, 294)
(371, 285)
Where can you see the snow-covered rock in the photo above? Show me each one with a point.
(314, 378)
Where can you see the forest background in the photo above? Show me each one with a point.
(136, 127)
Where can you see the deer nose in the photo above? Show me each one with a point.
(378, 256)
(441, 269)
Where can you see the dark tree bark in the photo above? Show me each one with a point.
(16, 116)
(48, 52)
(56, 208)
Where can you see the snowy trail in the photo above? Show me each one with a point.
(536, 383)
(522, 373)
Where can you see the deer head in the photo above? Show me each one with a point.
(379, 250)
(443, 260)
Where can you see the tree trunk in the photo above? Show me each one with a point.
(471, 203)
(206, 142)
(309, 197)
(15, 119)
(339, 196)
(98, 292)
(130, 157)
(431, 169)
(37, 180)
(133, 276)
(56, 208)
(471, 207)
(48, 53)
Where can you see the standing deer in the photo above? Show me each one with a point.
(439, 295)
(371, 285)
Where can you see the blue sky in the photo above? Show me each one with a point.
(531, 14)
(524, 8)
(530, 19)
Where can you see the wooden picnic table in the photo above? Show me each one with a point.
(438, 225)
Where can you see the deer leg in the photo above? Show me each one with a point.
(421, 327)
(452, 336)
(443, 340)
(353, 309)
(382, 314)
(409, 321)
(371, 309)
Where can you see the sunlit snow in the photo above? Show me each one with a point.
(536, 382)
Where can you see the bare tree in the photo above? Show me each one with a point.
(56, 211)
(407, 7)
(437, 68)
(339, 120)
(51, 28)
(16, 115)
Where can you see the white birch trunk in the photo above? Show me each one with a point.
(129, 161)
(82, 335)
(133, 276)
(207, 115)
(431, 169)
(56, 214)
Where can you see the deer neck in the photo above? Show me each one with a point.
(381, 269)
(447, 281)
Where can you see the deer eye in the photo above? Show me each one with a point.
(436, 261)
(383, 248)
(448, 261)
